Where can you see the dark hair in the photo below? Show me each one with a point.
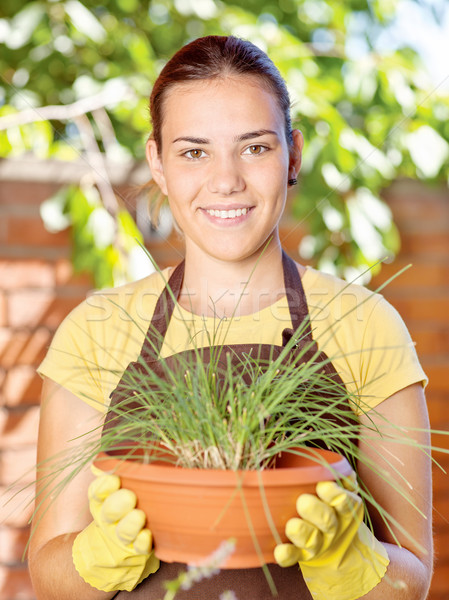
(212, 57)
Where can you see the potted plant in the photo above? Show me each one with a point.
(245, 421)
(222, 450)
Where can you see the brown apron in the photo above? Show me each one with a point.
(247, 584)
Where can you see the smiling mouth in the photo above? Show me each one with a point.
(228, 214)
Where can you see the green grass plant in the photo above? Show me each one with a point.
(237, 413)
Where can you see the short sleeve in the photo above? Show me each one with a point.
(91, 349)
(388, 358)
(100, 337)
(73, 359)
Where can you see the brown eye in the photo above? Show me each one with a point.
(255, 149)
(195, 153)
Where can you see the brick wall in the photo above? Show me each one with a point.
(38, 288)
(421, 295)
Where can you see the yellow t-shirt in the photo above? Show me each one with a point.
(361, 333)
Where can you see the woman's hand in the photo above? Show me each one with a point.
(62, 508)
(114, 552)
(338, 555)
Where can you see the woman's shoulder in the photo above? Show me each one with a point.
(356, 312)
(134, 300)
(101, 336)
(329, 296)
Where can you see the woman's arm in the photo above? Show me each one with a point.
(339, 556)
(409, 572)
(60, 517)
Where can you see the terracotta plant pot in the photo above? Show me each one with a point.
(192, 511)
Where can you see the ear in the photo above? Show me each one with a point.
(295, 153)
(155, 162)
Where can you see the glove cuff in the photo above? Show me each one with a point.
(350, 580)
(110, 576)
(80, 551)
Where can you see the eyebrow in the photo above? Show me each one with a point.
(254, 134)
(239, 138)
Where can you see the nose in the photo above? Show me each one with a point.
(225, 177)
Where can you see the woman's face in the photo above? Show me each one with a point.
(224, 165)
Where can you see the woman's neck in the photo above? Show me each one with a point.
(219, 288)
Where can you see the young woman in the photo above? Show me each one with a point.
(224, 153)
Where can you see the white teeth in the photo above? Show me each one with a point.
(228, 214)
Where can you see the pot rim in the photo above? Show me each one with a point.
(322, 465)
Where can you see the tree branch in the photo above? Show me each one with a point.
(63, 112)
(95, 159)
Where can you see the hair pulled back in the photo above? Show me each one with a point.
(214, 57)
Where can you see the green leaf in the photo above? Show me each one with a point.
(71, 49)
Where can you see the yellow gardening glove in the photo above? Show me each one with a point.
(114, 552)
(339, 557)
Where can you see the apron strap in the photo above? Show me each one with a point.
(297, 303)
(163, 311)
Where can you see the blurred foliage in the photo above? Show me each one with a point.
(367, 116)
(102, 243)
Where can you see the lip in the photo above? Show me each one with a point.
(226, 207)
(230, 220)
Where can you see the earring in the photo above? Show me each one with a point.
(292, 181)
